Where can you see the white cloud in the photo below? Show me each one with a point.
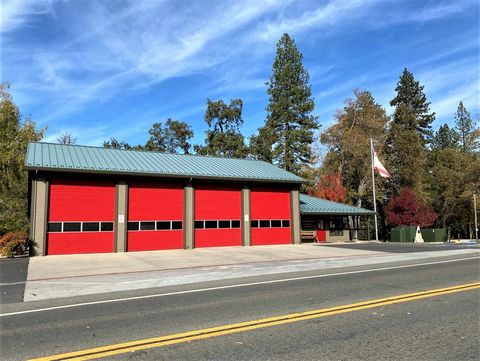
(16, 13)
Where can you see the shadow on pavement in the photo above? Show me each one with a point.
(406, 247)
(13, 275)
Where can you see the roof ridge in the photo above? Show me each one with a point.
(330, 201)
(148, 151)
(106, 160)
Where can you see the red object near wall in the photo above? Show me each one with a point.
(155, 202)
(266, 204)
(214, 203)
(321, 235)
(81, 201)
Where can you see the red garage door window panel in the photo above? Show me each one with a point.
(155, 202)
(270, 204)
(81, 201)
(218, 203)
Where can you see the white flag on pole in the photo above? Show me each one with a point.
(378, 166)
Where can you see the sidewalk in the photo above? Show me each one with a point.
(73, 275)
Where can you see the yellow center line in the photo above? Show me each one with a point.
(120, 348)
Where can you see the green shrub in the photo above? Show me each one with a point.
(14, 243)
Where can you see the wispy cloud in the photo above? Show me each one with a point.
(17, 13)
(118, 58)
(438, 11)
(445, 105)
(332, 13)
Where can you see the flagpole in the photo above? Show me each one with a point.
(373, 184)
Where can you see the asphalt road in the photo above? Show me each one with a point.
(439, 328)
(13, 274)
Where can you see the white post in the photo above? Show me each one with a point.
(475, 215)
(374, 196)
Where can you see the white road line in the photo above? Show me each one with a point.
(229, 286)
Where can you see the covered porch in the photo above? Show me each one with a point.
(327, 221)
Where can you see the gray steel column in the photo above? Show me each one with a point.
(189, 217)
(246, 221)
(121, 216)
(39, 216)
(295, 207)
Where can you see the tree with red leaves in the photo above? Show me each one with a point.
(407, 210)
(330, 186)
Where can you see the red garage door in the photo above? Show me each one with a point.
(80, 217)
(217, 217)
(155, 217)
(271, 216)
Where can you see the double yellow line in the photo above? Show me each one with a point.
(99, 352)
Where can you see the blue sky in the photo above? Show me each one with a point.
(101, 69)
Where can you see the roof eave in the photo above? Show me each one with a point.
(338, 213)
(161, 175)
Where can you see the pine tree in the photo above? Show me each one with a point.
(223, 136)
(445, 138)
(410, 94)
(261, 144)
(408, 135)
(289, 110)
(454, 177)
(405, 154)
(465, 127)
(15, 133)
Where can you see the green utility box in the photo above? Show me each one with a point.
(434, 235)
(403, 234)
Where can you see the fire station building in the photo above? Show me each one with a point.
(91, 200)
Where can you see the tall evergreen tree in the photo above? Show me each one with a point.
(261, 144)
(454, 175)
(405, 153)
(223, 138)
(15, 133)
(444, 138)
(465, 127)
(174, 137)
(411, 96)
(290, 106)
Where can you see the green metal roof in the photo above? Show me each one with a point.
(74, 158)
(314, 205)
